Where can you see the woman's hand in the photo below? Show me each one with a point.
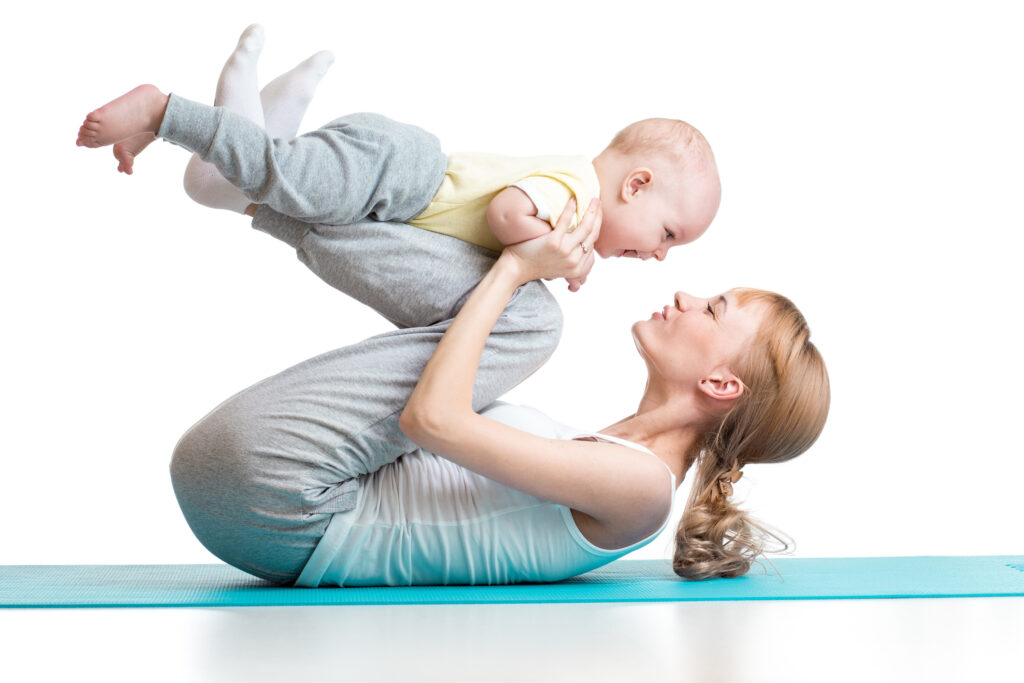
(560, 253)
(441, 405)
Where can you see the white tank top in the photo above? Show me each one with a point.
(423, 520)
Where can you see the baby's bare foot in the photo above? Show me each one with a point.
(138, 111)
(126, 150)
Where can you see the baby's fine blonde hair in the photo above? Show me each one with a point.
(677, 140)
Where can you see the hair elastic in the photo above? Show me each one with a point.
(726, 481)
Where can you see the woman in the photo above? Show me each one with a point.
(266, 479)
(306, 477)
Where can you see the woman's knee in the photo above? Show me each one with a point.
(236, 491)
(210, 457)
(536, 310)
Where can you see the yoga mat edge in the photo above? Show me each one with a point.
(210, 585)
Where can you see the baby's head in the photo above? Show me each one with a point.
(659, 188)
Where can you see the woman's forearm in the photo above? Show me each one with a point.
(445, 390)
(444, 396)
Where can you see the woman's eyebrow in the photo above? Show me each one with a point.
(724, 302)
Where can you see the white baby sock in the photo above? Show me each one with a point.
(237, 90)
(238, 87)
(286, 98)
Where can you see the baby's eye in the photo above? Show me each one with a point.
(669, 235)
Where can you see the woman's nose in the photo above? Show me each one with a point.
(684, 301)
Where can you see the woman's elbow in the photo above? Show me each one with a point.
(408, 422)
(419, 423)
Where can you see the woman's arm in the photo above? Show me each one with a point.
(621, 488)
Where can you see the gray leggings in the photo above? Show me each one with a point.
(259, 477)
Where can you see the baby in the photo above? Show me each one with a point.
(657, 179)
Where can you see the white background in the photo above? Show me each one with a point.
(871, 157)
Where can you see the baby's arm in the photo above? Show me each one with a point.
(513, 217)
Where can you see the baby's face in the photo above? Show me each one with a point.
(648, 224)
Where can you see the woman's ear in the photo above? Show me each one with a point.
(636, 181)
(722, 385)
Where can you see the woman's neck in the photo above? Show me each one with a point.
(657, 427)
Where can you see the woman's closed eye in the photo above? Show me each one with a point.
(712, 311)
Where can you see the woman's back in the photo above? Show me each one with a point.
(425, 520)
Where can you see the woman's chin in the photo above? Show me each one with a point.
(638, 330)
(656, 319)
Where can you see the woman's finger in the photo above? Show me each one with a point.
(564, 221)
(589, 228)
(561, 253)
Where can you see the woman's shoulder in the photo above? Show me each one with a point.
(528, 419)
(626, 491)
(538, 423)
(638, 501)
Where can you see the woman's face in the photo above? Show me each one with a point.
(691, 337)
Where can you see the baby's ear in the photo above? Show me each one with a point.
(636, 182)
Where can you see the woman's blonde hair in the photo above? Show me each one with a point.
(780, 414)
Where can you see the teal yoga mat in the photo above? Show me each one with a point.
(209, 585)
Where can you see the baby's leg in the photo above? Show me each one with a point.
(286, 98)
(284, 101)
(238, 85)
(107, 125)
(238, 90)
(363, 165)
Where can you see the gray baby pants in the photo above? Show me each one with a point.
(355, 167)
(260, 476)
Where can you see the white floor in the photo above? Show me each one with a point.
(962, 639)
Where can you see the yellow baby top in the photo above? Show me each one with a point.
(459, 208)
